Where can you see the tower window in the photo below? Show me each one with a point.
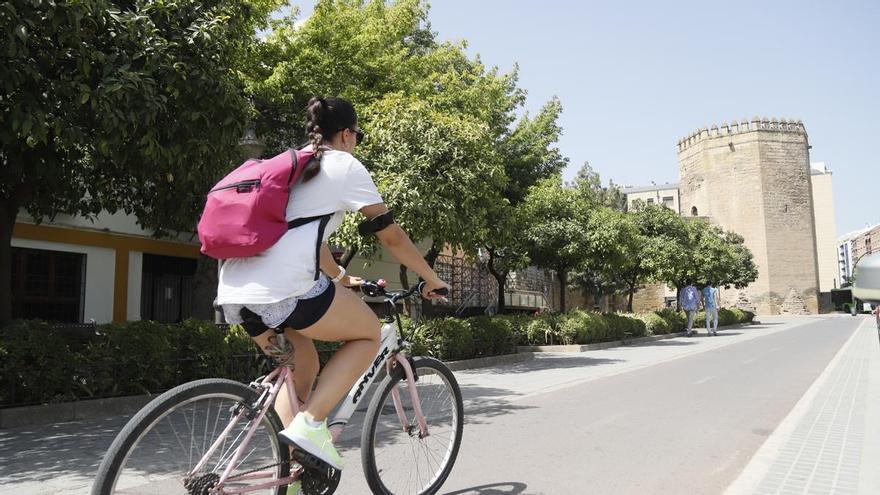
(694, 212)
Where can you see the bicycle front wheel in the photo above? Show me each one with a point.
(160, 446)
(395, 459)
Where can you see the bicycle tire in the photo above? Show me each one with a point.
(420, 366)
(138, 426)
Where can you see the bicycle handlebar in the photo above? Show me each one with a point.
(377, 289)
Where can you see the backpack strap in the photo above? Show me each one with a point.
(322, 226)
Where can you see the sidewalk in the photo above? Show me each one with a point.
(830, 442)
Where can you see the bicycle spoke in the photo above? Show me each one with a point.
(162, 457)
(406, 463)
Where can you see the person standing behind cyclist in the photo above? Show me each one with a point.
(711, 302)
(690, 303)
(279, 287)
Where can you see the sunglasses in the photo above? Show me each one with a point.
(358, 134)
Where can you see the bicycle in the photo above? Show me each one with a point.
(172, 445)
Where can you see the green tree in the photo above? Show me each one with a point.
(721, 257)
(431, 113)
(435, 170)
(528, 153)
(118, 105)
(589, 183)
(613, 262)
(557, 238)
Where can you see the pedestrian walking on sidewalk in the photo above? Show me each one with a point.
(689, 300)
(711, 302)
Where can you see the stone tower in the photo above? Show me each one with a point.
(753, 177)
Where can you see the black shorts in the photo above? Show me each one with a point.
(306, 314)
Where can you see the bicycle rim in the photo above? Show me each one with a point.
(169, 448)
(397, 461)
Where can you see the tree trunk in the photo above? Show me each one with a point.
(563, 286)
(9, 207)
(8, 212)
(632, 290)
(432, 254)
(430, 258)
(404, 278)
(501, 279)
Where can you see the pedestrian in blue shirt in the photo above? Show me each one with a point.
(689, 299)
(711, 302)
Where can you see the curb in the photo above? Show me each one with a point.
(613, 343)
(485, 362)
(597, 346)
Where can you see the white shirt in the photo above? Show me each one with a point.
(287, 269)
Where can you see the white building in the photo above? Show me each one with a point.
(826, 229)
(851, 246)
(659, 194)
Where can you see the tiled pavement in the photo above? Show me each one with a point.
(828, 443)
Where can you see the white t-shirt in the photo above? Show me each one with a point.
(287, 269)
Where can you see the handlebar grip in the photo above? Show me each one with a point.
(443, 291)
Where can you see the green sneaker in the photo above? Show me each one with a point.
(294, 488)
(314, 440)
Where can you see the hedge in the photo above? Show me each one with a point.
(578, 327)
(40, 363)
(675, 321)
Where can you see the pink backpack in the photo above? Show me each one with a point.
(246, 211)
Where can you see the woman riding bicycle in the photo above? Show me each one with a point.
(279, 287)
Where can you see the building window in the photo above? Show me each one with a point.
(48, 285)
(167, 288)
(694, 212)
(668, 201)
(650, 201)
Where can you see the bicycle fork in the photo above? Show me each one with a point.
(414, 397)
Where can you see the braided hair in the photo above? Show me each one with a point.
(324, 118)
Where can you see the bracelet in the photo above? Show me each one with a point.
(338, 277)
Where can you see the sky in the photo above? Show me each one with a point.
(636, 76)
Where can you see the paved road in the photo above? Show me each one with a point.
(677, 416)
(685, 426)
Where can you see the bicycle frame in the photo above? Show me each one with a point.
(389, 353)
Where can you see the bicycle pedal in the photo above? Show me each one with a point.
(312, 462)
(317, 477)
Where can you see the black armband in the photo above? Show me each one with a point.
(376, 224)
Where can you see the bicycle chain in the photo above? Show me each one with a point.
(315, 483)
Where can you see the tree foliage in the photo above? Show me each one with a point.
(529, 154)
(119, 105)
(558, 236)
(432, 114)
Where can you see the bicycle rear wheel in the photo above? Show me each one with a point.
(396, 460)
(165, 441)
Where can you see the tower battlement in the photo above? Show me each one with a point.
(728, 129)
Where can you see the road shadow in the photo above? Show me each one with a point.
(504, 488)
(480, 405)
(45, 452)
(548, 361)
(483, 403)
